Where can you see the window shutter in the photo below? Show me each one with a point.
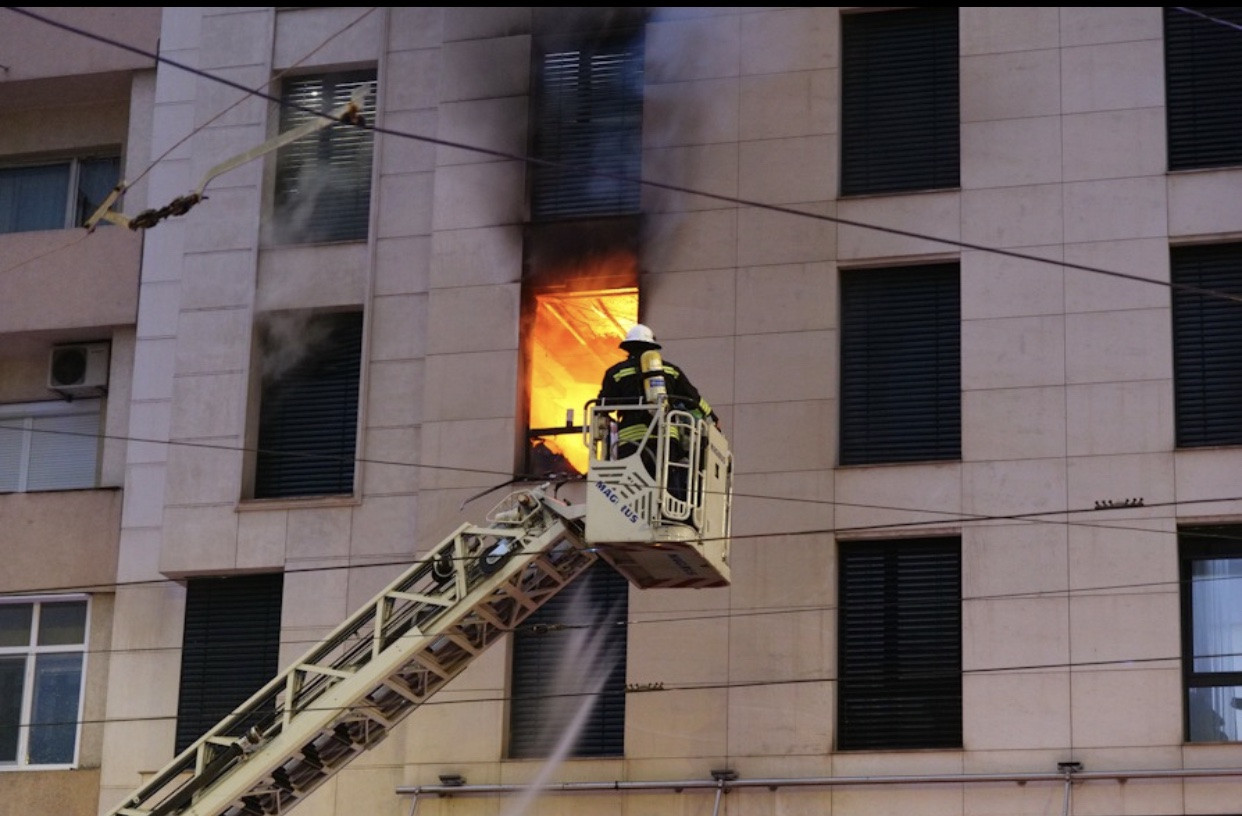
(899, 101)
(1207, 346)
(231, 648)
(900, 672)
(589, 119)
(63, 452)
(900, 365)
(537, 717)
(323, 181)
(308, 417)
(1203, 96)
(12, 446)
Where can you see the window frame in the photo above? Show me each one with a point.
(341, 223)
(75, 211)
(32, 650)
(1207, 345)
(1200, 544)
(877, 665)
(896, 406)
(277, 478)
(1203, 100)
(532, 734)
(552, 194)
(225, 618)
(27, 413)
(887, 144)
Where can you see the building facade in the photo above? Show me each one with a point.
(962, 285)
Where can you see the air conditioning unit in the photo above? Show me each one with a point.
(78, 369)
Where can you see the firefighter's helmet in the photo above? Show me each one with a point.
(639, 338)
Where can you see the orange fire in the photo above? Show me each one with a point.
(572, 339)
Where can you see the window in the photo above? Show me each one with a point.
(308, 411)
(48, 445)
(900, 365)
(323, 181)
(588, 119)
(42, 658)
(569, 671)
(55, 195)
(1211, 581)
(900, 642)
(577, 305)
(899, 101)
(1207, 345)
(1202, 96)
(230, 649)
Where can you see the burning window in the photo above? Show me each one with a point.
(573, 327)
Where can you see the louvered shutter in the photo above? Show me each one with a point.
(1203, 97)
(899, 101)
(1207, 346)
(900, 365)
(589, 120)
(323, 181)
(63, 451)
(308, 416)
(900, 664)
(231, 648)
(540, 709)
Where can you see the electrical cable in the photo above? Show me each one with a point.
(845, 222)
(959, 244)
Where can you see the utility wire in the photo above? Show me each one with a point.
(951, 517)
(742, 202)
(500, 154)
(1209, 18)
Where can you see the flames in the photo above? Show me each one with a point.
(572, 338)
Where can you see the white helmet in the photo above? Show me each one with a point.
(639, 337)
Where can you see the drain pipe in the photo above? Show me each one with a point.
(722, 776)
(1069, 769)
(723, 785)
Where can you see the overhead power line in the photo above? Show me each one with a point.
(583, 170)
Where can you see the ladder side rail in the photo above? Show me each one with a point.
(276, 704)
(379, 698)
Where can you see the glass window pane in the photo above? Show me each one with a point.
(54, 710)
(61, 624)
(1216, 607)
(1216, 714)
(12, 674)
(33, 198)
(96, 178)
(15, 624)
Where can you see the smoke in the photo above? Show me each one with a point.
(286, 338)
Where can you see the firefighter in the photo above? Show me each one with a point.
(626, 383)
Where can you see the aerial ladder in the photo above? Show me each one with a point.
(659, 516)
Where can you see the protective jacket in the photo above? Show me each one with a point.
(623, 385)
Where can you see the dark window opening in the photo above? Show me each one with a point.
(588, 127)
(900, 365)
(899, 101)
(1203, 98)
(1207, 345)
(230, 650)
(569, 671)
(308, 410)
(899, 641)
